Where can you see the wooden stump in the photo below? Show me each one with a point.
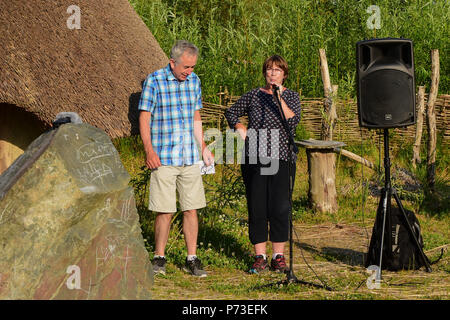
(322, 174)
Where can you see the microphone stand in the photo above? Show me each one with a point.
(290, 276)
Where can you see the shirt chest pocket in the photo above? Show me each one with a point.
(193, 100)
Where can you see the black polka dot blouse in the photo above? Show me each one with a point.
(268, 137)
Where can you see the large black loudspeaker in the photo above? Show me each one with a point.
(386, 89)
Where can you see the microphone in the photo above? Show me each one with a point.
(275, 87)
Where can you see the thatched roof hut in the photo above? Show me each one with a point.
(47, 67)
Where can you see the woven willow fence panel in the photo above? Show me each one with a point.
(347, 128)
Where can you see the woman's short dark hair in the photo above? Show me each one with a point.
(278, 61)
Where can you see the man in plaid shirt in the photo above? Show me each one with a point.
(170, 125)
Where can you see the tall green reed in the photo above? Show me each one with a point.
(235, 36)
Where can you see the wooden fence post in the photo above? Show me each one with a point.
(431, 119)
(332, 114)
(330, 92)
(419, 126)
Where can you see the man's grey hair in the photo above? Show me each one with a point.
(182, 46)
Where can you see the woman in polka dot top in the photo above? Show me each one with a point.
(265, 164)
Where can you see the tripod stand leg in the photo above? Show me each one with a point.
(411, 232)
(385, 208)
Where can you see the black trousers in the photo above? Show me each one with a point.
(268, 201)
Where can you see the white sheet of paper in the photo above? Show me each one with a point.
(206, 169)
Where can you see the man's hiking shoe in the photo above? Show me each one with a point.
(159, 265)
(260, 265)
(279, 264)
(195, 268)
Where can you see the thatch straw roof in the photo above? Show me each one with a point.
(96, 71)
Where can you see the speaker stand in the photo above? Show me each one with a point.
(385, 208)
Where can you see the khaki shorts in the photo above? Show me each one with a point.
(166, 180)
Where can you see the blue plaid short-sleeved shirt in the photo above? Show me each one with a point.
(172, 104)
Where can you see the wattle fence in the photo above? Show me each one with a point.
(347, 128)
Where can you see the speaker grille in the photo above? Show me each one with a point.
(388, 99)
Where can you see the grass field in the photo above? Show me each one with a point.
(234, 38)
(328, 248)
